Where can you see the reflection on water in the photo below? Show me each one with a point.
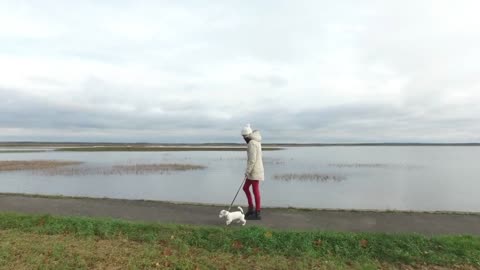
(371, 177)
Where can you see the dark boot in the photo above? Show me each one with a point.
(250, 212)
(255, 216)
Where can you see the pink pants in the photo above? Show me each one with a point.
(256, 193)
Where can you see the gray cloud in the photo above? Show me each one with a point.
(309, 71)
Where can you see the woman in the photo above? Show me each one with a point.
(254, 172)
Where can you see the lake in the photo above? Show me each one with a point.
(419, 178)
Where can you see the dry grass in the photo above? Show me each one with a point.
(23, 165)
(24, 250)
(309, 177)
(19, 250)
(375, 166)
(158, 167)
(65, 168)
(137, 169)
(29, 250)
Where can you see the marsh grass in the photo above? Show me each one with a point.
(309, 177)
(70, 168)
(21, 151)
(22, 165)
(376, 166)
(133, 169)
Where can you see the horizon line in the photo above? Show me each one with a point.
(230, 143)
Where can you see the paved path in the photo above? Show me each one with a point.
(425, 223)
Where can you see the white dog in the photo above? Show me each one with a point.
(232, 216)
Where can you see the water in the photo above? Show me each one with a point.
(373, 177)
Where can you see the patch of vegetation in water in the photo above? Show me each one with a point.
(375, 166)
(135, 169)
(318, 177)
(25, 165)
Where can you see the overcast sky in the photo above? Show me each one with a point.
(197, 71)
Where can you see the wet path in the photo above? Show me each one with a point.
(356, 221)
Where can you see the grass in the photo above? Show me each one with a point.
(136, 169)
(21, 151)
(49, 242)
(20, 165)
(376, 166)
(55, 167)
(159, 167)
(317, 177)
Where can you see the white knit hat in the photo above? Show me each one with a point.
(247, 130)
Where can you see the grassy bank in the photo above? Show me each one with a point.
(30, 241)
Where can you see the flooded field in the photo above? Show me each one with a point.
(431, 178)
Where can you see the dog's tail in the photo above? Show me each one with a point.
(241, 210)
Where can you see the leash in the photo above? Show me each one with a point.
(244, 179)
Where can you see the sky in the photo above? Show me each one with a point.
(198, 71)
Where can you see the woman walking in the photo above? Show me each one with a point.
(254, 172)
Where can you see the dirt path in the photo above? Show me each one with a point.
(425, 223)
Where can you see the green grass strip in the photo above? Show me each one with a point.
(388, 248)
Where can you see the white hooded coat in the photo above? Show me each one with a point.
(255, 169)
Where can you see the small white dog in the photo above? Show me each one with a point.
(233, 216)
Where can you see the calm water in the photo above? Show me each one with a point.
(402, 178)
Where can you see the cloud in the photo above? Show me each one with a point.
(304, 72)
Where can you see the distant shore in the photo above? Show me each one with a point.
(213, 145)
(32, 147)
(49, 147)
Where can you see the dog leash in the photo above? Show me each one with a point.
(244, 179)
